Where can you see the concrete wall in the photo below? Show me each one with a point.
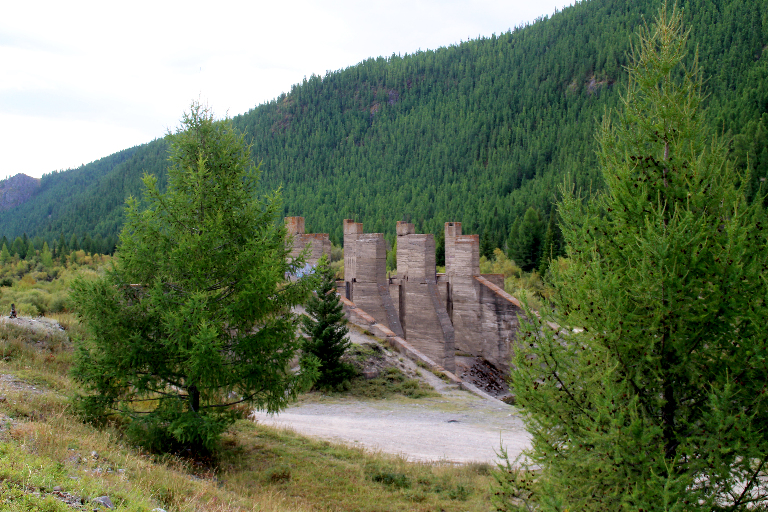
(484, 321)
(318, 243)
(352, 230)
(424, 319)
(499, 324)
(464, 292)
(451, 230)
(365, 275)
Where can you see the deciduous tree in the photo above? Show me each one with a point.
(195, 316)
(651, 395)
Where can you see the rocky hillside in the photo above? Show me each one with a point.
(17, 190)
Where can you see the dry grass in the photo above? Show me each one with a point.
(325, 476)
(257, 468)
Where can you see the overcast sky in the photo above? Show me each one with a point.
(81, 80)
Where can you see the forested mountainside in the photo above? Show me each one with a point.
(477, 132)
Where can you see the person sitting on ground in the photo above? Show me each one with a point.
(13, 311)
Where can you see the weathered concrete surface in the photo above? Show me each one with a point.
(352, 230)
(366, 277)
(422, 312)
(484, 317)
(318, 243)
(436, 314)
(451, 230)
(359, 317)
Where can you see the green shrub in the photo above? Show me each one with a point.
(36, 298)
(397, 480)
(59, 303)
(27, 309)
(391, 382)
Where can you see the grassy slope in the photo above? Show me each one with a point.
(259, 468)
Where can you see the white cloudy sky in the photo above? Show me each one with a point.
(83, 79)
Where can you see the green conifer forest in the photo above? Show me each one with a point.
(479, 132)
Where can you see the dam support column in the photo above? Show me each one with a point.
(365, 275)
(422, 311)
(484, 318)
(318, 243)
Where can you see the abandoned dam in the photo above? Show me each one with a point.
(438, 315)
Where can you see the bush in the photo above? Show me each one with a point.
(59, 303)
(27, 309)
(36, 298)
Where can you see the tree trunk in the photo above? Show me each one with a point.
(194, 398)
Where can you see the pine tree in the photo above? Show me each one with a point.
(392, 258)
(525, 248)
(19, 248)
(326, 328)
(440, 248)
(195, 315)
(550, 245)
(652, 393)
(31, 253)
(61, 248)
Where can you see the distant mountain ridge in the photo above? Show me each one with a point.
(17, 190)
(477, 132)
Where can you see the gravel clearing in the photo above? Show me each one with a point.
(457, 427)
(39, 324)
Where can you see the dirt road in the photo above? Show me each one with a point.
(457, 426)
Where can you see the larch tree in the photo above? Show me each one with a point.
(644, 386)
(5, 255)
(195, 316)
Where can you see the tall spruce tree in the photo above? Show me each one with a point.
(326, 330)
(194, 317)
(550, 246)
(526, 240)
(651, 395)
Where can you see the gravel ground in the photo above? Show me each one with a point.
(39, 324)
(456, 427)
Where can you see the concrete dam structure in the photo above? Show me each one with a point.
(318, 244)
(437, 314)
